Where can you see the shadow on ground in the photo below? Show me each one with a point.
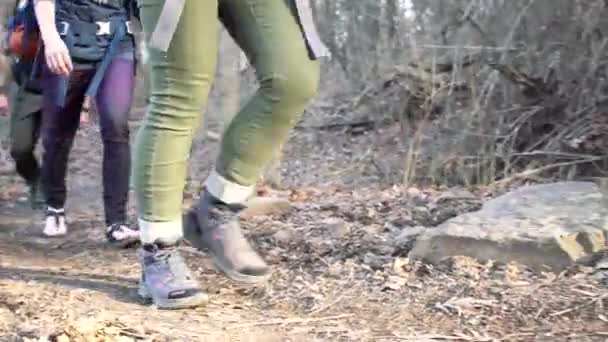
(120, 288)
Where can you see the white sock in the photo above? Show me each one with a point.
(227, 191)
(167, 232)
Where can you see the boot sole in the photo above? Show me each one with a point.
(53, 236)
(237, 276)
(192, 233)
(200, 299)
(124, 244)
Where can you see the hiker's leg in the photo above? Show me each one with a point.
(59, 126)
(180, 80)
(114, 100)
(268, 32)
(24, 130)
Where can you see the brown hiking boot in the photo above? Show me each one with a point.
(214, 227)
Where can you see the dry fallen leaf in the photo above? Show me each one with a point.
(394, 283)
(399, 266)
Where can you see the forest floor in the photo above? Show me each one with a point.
(340, 271)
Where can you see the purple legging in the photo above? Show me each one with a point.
(59, 126)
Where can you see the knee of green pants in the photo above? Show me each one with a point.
(177, 93)
(257, 132)
(294, 85)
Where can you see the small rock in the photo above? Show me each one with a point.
(601, 271)
(421, 210)
(474, 321)
(62, 338)
(383, 248)
(374, 261)
(394, 283)
(469, 304)
(373, 229)
(334, 271)
(602, 264)
(316, 241)
(336, 226)
(283, 236)
(414, 192)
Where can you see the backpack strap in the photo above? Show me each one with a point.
(31, 25)
(62, 82)
(22, 42)
(119, 34)
(316, 47)
(167, 24)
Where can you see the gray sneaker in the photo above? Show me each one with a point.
(214, 227)
(167, 281)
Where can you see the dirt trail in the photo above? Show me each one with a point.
(340, 275)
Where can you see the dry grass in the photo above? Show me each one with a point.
(484, 91)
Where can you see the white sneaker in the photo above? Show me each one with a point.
(54, 222)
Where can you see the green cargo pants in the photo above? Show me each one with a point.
(25, 120)
(270, 35)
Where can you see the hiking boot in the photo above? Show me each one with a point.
(166, 280)
(121, 235)
(54, 222)
(214, 227)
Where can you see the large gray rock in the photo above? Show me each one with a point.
(550, 225)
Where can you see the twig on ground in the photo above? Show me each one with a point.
(594, 300)
(289, 321)
(443, 338)
(330, 304)
(338, 298)
(511, 336)
(531, 172)
(585, 293)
